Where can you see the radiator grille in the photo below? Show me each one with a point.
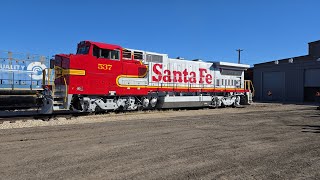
(154, 58)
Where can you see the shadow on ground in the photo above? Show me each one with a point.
(290, 102)
(308, 128)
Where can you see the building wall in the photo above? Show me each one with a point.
(293, 81)
(293, 70)
(314, 49)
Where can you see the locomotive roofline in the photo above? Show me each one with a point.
(218, 63)
(242, 66)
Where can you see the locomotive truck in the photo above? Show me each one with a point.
(106, 77)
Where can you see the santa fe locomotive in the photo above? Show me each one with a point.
(105, 77)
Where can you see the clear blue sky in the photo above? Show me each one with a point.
(205, 29)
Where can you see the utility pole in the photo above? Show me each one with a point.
(239, 54)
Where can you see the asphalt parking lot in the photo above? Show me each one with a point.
(262, 141)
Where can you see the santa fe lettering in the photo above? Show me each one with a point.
(180, 76)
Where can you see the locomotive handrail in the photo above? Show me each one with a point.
(59, 74)
(249, 86)
(66, 93)
(46, 76)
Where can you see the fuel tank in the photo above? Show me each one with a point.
(11, 102)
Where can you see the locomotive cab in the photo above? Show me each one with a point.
(94, 70)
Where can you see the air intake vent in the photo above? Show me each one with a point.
(154, 58)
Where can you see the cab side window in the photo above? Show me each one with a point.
(106, 53)
(137, 55)
(126, 54)
(114, 55)
(96, 51)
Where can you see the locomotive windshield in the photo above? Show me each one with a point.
(83, 50)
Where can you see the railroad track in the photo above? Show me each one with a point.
(12, 117)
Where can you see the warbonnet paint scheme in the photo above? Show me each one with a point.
(105, 77)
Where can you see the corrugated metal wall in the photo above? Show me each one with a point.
(294, 84)
(295, 75)
(312, 78)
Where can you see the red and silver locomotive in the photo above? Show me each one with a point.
(105, 77)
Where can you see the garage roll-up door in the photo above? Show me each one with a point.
(312, 78)
(275, 83)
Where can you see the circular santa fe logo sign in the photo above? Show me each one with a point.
(36, 69)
